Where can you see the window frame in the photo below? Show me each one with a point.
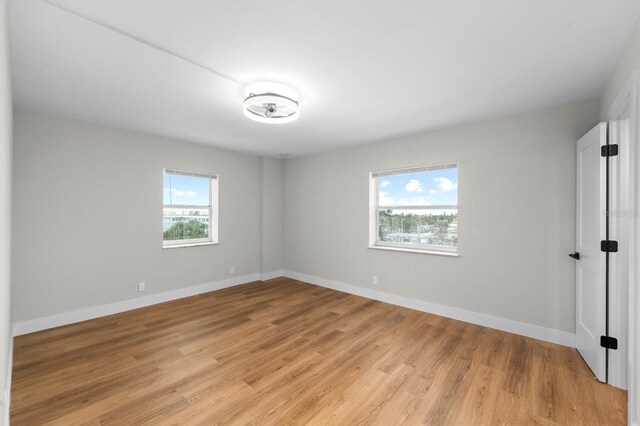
(374, 211)
(214, 181)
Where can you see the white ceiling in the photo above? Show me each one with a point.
(364, 70)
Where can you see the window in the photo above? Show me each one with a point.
(415, 209)
(190, 209)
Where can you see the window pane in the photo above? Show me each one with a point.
(185, 224)
(433, 227)
(186, 190)
(430, 188)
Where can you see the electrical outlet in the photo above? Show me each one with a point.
(232, 270)
(141, 286)
(374, 280)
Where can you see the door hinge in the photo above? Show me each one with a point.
(609, 150)
(609, 342)
(609, 246)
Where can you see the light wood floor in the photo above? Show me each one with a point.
(282, 352)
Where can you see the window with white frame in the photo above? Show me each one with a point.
(415, 208)
(190, 208)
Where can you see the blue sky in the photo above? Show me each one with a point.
(185, 190)
(435, 187)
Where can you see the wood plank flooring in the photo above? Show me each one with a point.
(286, 352)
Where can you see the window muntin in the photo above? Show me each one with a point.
(416, 208)
(189, 212)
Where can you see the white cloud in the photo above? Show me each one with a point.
(417, 201)
(432, 191)
(188, 193)
(414, 186)
(445, 184)
(384, 199)
(384, 184)
(413, 201)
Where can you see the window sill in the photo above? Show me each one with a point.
(409, 250)
(173, 246)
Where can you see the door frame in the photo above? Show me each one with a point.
(624, 305)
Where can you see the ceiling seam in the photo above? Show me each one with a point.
(139, 39)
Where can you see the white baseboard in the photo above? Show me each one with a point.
(271, 275)
(511, 326)
(38, 324)
(6, 403)
(529, 330)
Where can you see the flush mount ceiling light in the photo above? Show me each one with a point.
(270, 108)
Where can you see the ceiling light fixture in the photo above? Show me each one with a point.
(270, 108)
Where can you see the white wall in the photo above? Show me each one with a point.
(272, 223)
(88, 221)
(6, 121)
(628, 61)
(516, 206)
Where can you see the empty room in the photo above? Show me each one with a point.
(310, 213)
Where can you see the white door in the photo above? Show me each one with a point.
(590, 266)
